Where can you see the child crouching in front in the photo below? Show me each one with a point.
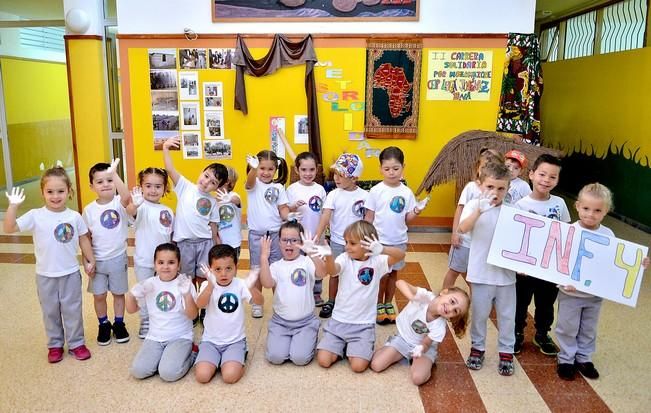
(422, 325)
(169, 298)
(224, 338)
(360, 268)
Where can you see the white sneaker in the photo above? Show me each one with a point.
(256, 311)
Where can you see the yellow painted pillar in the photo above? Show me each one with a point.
(88, 108)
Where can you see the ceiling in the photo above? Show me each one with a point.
(34, 9)
(547, 10)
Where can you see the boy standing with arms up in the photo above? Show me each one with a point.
(544, 176)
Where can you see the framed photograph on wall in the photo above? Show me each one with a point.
(314, 10)
(214, 124)
(190, 113)
(213, 95)
(189, 82)
(191, 145)
(217, 149)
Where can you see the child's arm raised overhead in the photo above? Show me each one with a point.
(121, 187)
(253, 162)
(167, 158)
(374, 247)
(413, 293)
(265, 270)
(16, 198)
(190, 307)
(87, 254)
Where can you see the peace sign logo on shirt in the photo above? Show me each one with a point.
(228, 302)
(419, 327)
(365, 275)
(110, 219)
(203, 206)
(64, 232)
(226, 213)
(165, 218)
(315, 203)
(165, 301)
(299, 277)
(358, 208)
(397, 204)
(271, 195)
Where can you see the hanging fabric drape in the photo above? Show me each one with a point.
(522, 87)
(283, 52)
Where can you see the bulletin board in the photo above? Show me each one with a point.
(340, 79)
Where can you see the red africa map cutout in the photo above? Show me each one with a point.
(393, 80)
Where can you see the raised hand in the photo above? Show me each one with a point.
(184, 284)
(140, 290)
(250, 279)
(16, 197)
(308, 243)
(136, 196)
(114, 166)
(486, 201)
(265, 248)
(253, 161)
(210, 276)
(372, 245)
(320, 251)
(420, 205)
(417, 351)
(294, 216)
(223, 196)
(172, 143)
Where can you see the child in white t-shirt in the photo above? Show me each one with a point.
(230, 212)
(306, 197)
(153, 223)
(293, 328)
(360, 269)
(390, 206)
(422, 325)
(170, 301)
(107, 221)
(518, 188)
(223, 344)
(57, 231)
(343, 206)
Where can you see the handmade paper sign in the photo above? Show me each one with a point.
(568, 255)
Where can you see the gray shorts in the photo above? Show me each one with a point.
(110, 275)
(400, 264)
(458, 259)
(292, 340)
(142, 273)
(337, 249)
(217, 355)
(405, 348)
(357, 339)
(255, 247)
(194, 252)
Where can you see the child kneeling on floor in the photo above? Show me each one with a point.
(422, 325)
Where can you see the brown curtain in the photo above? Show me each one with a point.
(283, 52)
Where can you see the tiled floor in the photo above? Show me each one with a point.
(29, 383)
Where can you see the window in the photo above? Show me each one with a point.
(46, 38)
(623, 26)
(579, 35)
(549, 44)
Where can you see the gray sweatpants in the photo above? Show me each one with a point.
(255, 247)
(171, 359)
(60, 299)
(576, 327)
(142, 273)
(292, 340)
(484, 296)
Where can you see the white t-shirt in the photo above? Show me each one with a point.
(359, 282)
(56, 237)
(108, 228)
(154, 224)
(313, 195)
(391, 205)
(293, 296)
(262, 208)
(470, 191)
(166, 308)
(347, 207)
(224, 321)
(518, 189)
(553, 208)
(195, 211)
(601, 230)
(230, 223)
(479, 271)
(412, 320)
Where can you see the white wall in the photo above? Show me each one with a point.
(436, 16)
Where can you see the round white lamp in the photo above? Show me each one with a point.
(77, 21)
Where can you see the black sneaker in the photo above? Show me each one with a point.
(546, 345)
(519, 342)
(587, 369)
(326, 310)
(202, 315)
(104, 333)
(120, 332)
(566, 371)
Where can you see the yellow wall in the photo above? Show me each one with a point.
(283, 94)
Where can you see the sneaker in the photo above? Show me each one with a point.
(519, 342)
(546, 345)
(202, 315)
(144, 328)
(256, 311)
(120, 332)
(80, 353)
(566, 371)
(391, 312)
(475, 360)
(381, 317)
(326, 310)
(104, 333)
(587, 369)
(318, 301)
(506, 367)
(54, 354)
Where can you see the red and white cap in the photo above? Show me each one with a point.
(518, 156)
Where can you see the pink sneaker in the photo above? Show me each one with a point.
(80, 353)
(55, 354)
